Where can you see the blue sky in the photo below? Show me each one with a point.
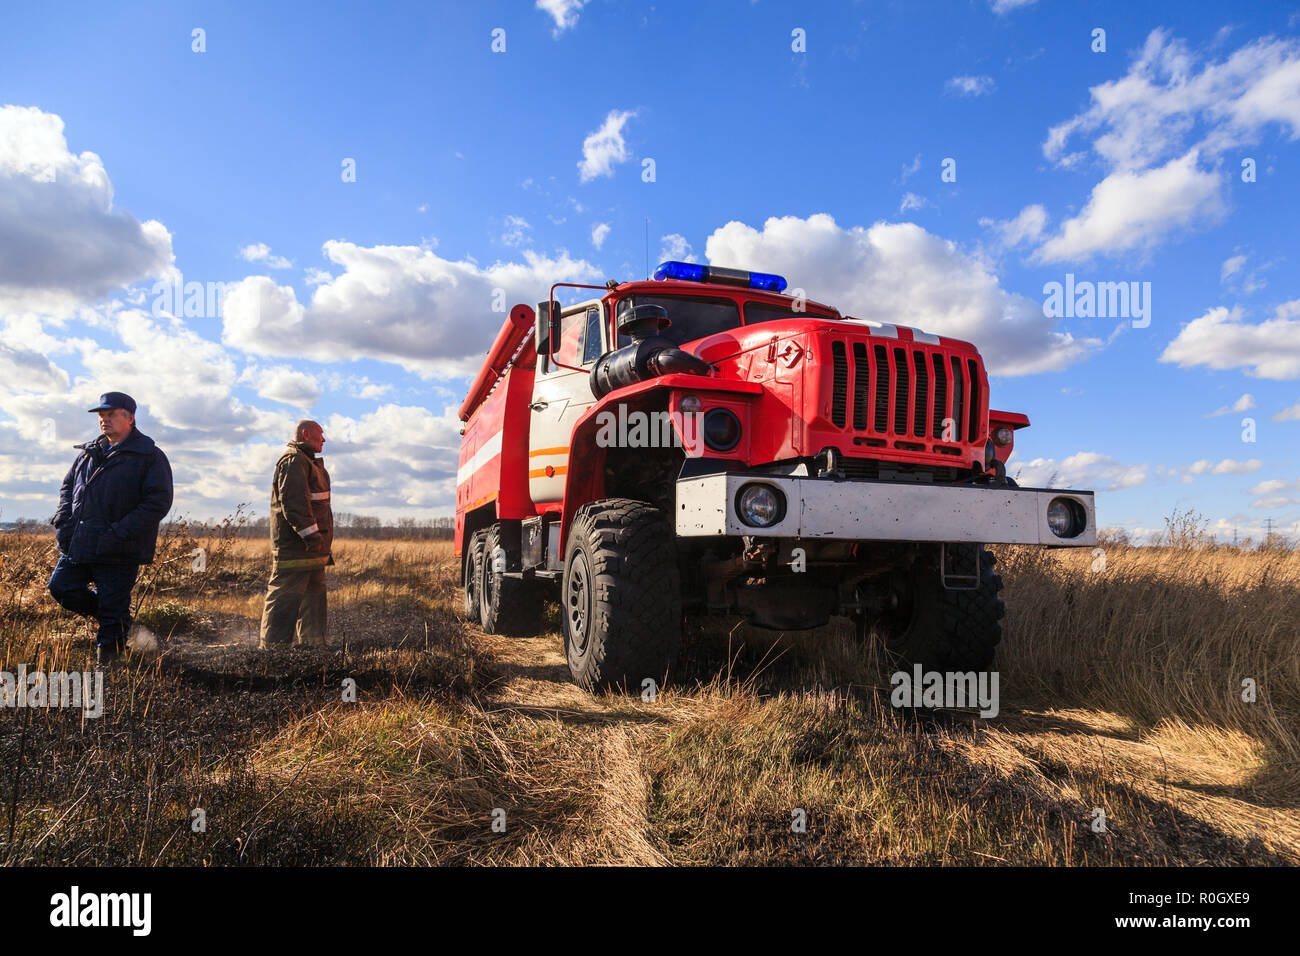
(366, 303)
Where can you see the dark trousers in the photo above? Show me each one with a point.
(295, 607)
(110, 602)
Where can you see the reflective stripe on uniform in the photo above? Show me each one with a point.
(310, 529)
(320, 496)
(295, 563)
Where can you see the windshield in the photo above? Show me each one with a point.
(692, 318)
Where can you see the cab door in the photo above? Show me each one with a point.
(561, 396)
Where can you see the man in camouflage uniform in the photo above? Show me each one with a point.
(302, 530)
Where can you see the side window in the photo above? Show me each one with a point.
(571, 329)
(591, 345)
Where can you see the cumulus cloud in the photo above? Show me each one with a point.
(598, 234)
(970, 85)
(261, 252)
(605, 148)
(900, 273)
(280, 383)
(400, 304)
(62, 240)
(1289, 414)
(28, 370)
(1227, 466)
(1243, 404)
(1087, 469)
(1169, 96)
(563, 12)
(1135, 210)
(1166, 130)
(675, 246)
(1221, 339)
(1027, 226)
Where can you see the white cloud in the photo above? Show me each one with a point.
(900, 273)
(1221, 340)
(280, 383)
(910, 169)
(1134, 210)
(1231, 267)
(400, 304)
(1272, 486)
(1225, 467)
(261, 252)
(1290, 414)
(676, 247)
(1027, 226)
(62, 241)
(1168, 98)
(1243, 404)
(970, 85)
(912, 201)
(563, 12)
(1002, 7)
(28, 370)
(516, 231)
(1087, 469)
(598, 233)
(603, 149)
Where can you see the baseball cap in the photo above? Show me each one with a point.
(115, 400)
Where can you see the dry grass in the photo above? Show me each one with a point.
(1120, 690)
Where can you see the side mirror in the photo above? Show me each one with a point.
(547, 330)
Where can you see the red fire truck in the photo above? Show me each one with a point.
(702, 443)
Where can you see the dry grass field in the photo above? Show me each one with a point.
(1121, 690)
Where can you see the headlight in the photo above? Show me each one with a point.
(691, 404)
(760, 506)
(1066, 517)
(1003, 435)
(721, 429)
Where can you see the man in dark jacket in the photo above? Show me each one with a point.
(302, 531)
(111, 503)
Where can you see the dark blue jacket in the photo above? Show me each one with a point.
(112, 502)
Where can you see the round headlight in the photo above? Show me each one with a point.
(1065, 518)
(691, 404)
(721, 429)
(760, 506)
(1003, 435)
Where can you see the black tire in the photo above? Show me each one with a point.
(620, 600)
(509, 606)
(470, 579)
(944, 630)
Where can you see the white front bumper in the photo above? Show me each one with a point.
(882, 511)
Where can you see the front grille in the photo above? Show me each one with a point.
(912, 388)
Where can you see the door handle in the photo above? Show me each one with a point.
(538, 405)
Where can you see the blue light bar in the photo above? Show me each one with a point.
(694, 272)
(685, 271)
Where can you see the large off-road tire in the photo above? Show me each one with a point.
(509, 606)
(473, 571)
(941, 629)
(620, 600)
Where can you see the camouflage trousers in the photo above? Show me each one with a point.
(295, 607)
